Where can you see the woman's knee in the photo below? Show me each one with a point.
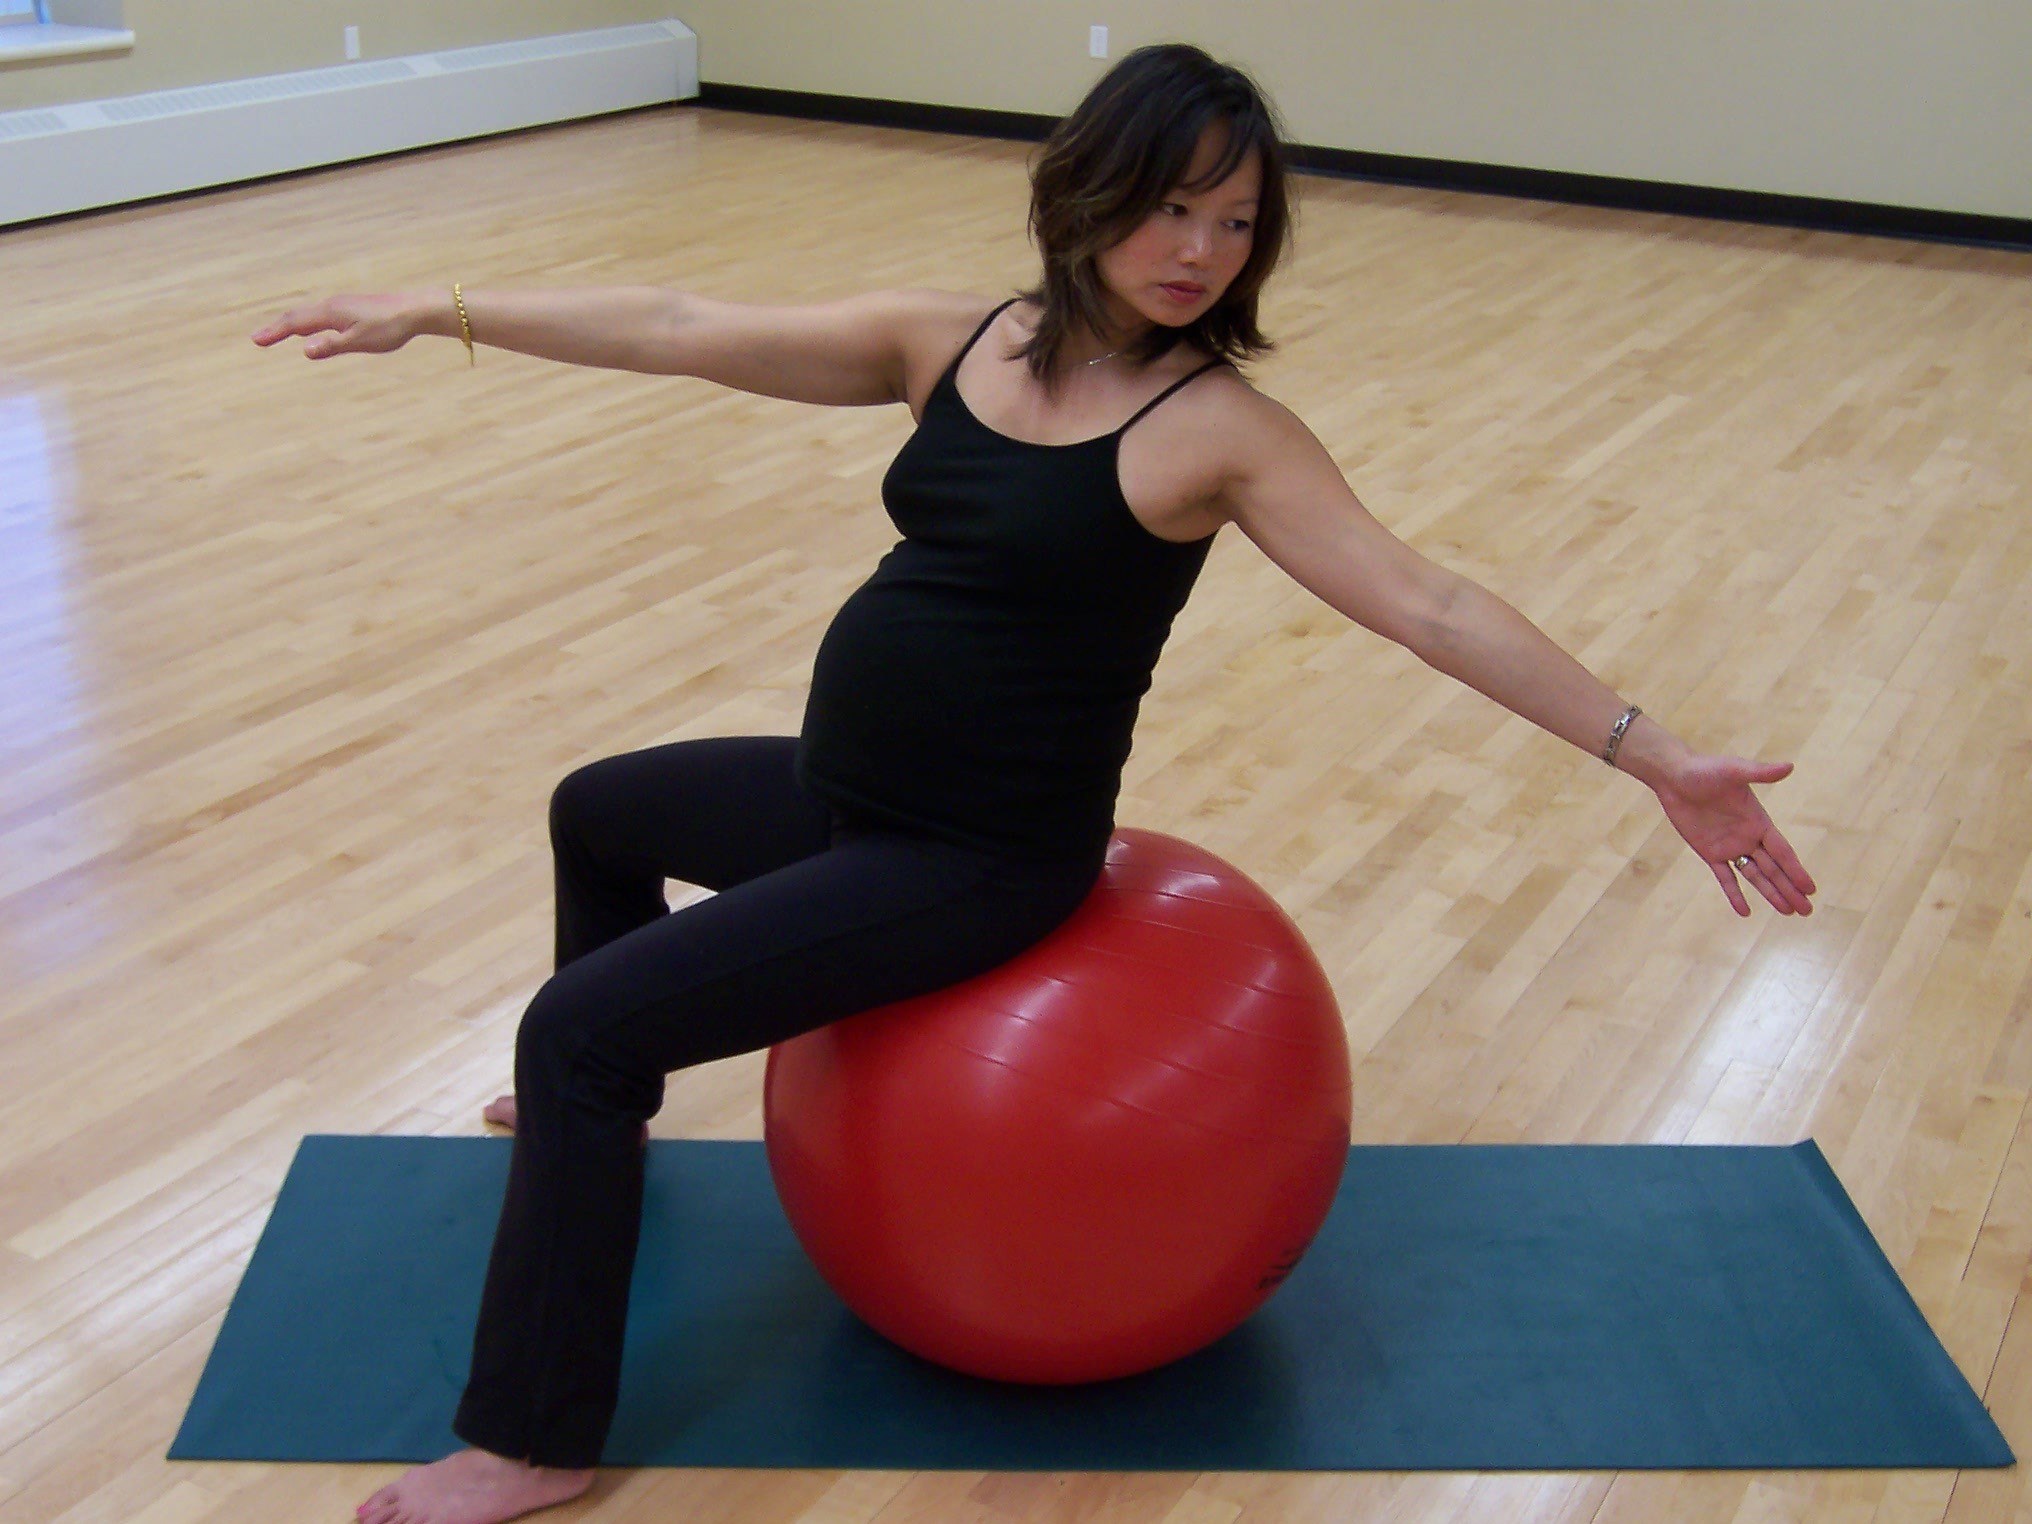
(581, 798)
(562, 1051)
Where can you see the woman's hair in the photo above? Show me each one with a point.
(1109, 165)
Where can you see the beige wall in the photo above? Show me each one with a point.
(1919, 103)
(202, 42)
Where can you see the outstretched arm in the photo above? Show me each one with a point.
(1284, 491)
(615, 327)
(852, 352)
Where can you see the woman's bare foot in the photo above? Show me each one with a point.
(472, 1487)
(501, 1112)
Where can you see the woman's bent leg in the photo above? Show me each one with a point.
(874, 918)
(713, 812)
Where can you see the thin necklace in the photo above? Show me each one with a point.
(1108, 356)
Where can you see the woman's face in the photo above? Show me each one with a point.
(1198, 238)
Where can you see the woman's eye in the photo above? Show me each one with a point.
(1239, 224)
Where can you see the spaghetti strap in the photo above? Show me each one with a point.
(954, 363)
(1146, 407)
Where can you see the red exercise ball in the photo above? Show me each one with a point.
(1090, 1161)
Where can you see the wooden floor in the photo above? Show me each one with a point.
(293, 655)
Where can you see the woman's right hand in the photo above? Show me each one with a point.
(338, 325)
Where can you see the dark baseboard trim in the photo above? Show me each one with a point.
(1968, 228)
(1025, 125)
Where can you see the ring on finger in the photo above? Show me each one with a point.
(1742, 862)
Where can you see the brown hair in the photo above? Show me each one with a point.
(1109, 164)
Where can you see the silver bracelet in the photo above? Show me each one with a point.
(1616, 735)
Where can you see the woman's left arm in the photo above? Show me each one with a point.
(1284, 491)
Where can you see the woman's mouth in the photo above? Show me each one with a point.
(1183, 292)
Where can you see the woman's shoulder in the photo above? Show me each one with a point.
(935, 324)
(1220, 429)
(935, 315)
(1219, 395)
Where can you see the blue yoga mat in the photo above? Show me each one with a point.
(1465, 1308)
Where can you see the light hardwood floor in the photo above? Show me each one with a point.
(293, 655)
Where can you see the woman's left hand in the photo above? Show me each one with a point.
(1708, 801)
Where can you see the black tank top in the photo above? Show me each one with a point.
(982, 684)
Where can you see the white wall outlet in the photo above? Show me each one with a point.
(1097, 42)
(352, 42)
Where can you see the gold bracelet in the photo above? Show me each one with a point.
(1616, 735)
(465, 328)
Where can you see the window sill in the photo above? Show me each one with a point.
(49, 39)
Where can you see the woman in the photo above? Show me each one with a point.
(950, 797)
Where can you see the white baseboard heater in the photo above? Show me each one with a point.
(71, 158)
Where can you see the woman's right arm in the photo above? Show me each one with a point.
(845, 353)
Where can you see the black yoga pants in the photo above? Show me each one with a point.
(818, 915)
